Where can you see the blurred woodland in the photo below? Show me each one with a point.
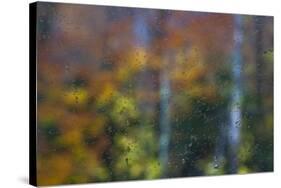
(131, 94)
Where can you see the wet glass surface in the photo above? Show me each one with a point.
(132, 94)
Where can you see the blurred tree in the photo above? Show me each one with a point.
(127, 94)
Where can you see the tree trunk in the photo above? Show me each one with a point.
(236, 95)
(165, 129)
(259, 63)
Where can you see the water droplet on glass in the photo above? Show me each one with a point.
(76, 99)
(216, 163)
(51, 132)
(238, 123)
(128, 149)
(127, 161)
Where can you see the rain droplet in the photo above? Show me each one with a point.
(51, 132)
(216, 163)
(238, 123)
(127, 161)
(127, 122)
(76, 99)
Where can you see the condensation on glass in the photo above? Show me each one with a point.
(130, 93)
